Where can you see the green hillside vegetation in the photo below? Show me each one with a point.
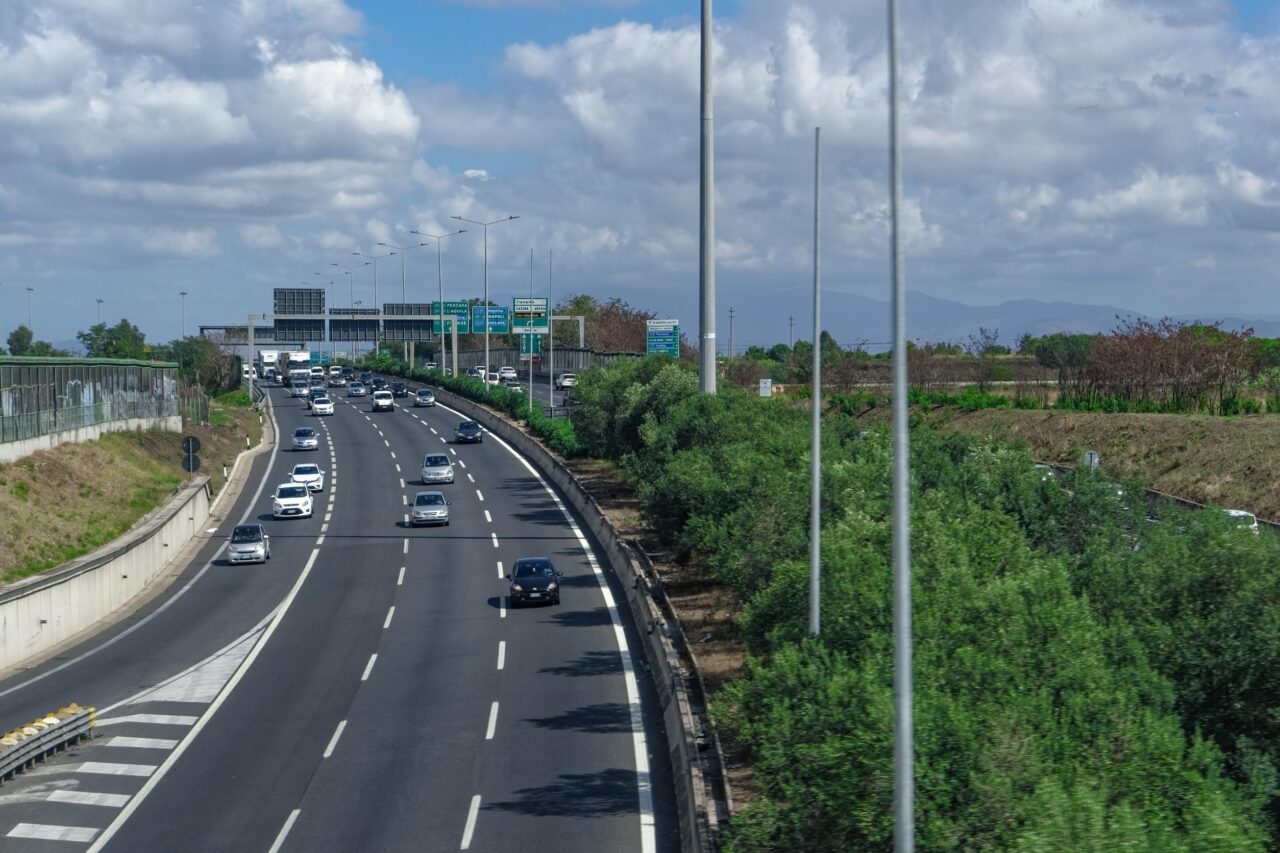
(1084, 679)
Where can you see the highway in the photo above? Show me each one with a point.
(367, 689)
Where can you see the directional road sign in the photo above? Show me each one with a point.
(498, 321)
(663, 338)
(458, 310)
(531, 313)
(530, 344)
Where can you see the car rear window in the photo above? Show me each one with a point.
(304, 432)
(292, 491)
(306, 469)
(247, 533)
(428, 500)
(537, 569)
(435, 460)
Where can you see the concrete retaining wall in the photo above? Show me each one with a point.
(40, 612)
(697, 768)
(11, 450)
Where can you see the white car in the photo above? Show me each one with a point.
(565, 380)
(1244, 519)
(492, 379)
(431, 365)
(322, 406)
(308, 474)
(506, 372)
(383, 401)
(291, 501)
(430, 508)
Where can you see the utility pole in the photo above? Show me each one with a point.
(707, 221)
(815, 474)
(730, 334)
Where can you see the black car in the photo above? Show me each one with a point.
(399, 389)
(378, 383)
(534, 579)
(468, 431)
(366, 377)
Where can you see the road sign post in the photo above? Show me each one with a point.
(662, 337)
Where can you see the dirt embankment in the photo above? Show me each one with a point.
(59, 504)
(1233, 462)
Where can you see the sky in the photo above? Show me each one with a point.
(1096, 151)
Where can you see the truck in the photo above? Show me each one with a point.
(266, 363)
(298, 364)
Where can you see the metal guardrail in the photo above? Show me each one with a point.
(25, 745)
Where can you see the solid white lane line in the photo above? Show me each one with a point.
(87, 798)
(109, 768)
(333, 741)
(471, 823)
(151, 719)
(406, 542)
(390, 613)
(142, 742)
(480, 496)
(488, 517)
(217, 703)
(400, 580)
(502, 653)
(495, 539)
(284, 831)
(500, 572)
(493, 721)
(53, 832)
(373, 658)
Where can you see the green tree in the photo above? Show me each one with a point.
(123, 340)
(20, 341)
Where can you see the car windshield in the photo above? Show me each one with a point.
(306, 470)
(536, 569)
(247, 533)
(291, 492)
(429, 499)
(304, 432)
(436, 460)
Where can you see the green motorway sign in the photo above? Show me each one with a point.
(530, 313)
(530, 344)
(457, 309)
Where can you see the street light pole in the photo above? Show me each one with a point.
(707, 220)
(440, 285)
(99, 301)
(730, 336)
(485, 309)
(403, 297)
(791, 331)
(815, 474)
(30, 324)
(183, 294)
(378, 320)
(351, 283)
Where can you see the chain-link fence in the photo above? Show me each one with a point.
(39, 396)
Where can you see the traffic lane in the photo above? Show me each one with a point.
(527, 522)
(255, 756)
(407, 763)
(175, 629)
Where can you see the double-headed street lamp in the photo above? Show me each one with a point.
(440, 285)
(351, 284)
(378, 322)
(485, 308)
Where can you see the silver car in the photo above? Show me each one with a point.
(357, 389)
(429, 508)
(436, 468)
(249, 544)
(424, 397)
(305, 438)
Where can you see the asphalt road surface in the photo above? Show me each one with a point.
(368, 688)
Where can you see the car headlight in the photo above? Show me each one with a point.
(551, 586)
(515, 587)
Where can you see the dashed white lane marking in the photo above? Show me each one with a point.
(402, 482)
(319, 541)
(493, 721)
(495, 539)
(324, 528)
(469, 477)
(393, 453)
(480, 496)
(502, 607)
(406, 522)
(391, 612)
(404, 498)
(488, 517)
(333, 741)
(142, 742)
(108, 768)
(52, 832)
(384, 441)
(502, 653)
(151, 719)
(400, 580)
(442, 441)
(500, 572)
(471, 823)
(463, 464)
(87, 798)
(397, 467)
(433, 431)
(373, 658)
(406, 542)
(454, 452)
(284, 831)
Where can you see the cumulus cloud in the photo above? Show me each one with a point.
(257, 236)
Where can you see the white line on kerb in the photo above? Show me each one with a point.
(495, 539)
(333, 741)
(284, 831)
(400, 580)
(369, 666)
(493, 721)
(502, 653)
(488, 517)
(390, 613)
(471, 823)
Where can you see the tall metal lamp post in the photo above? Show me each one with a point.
(484, 311)
(440, 285)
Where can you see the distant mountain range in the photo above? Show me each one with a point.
(851, 318)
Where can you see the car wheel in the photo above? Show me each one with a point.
(557, 601)
(512, 603)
